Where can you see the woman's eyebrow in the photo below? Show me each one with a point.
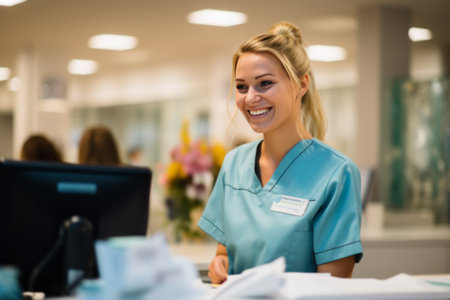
(262, 75)
(257, 77)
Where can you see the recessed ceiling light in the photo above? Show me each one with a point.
(4, 73)
(113, 42)
(419, 34)
(82, 66)
(214, 17)
(326, 53)
(10, 2)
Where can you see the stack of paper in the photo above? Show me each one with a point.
(269, 282)
(140, 269)
(262, 281)
(401, 286)
(144, 269)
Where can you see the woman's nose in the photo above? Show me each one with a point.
(253, 96)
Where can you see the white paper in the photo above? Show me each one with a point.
(262, 281)
(401, 286)
(141, 269)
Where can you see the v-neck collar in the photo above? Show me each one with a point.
(285, 163)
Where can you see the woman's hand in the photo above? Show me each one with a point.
(218, 268)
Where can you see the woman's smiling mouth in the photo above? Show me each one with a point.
(259, 112)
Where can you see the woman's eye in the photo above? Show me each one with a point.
(241, 88)
(266, 83)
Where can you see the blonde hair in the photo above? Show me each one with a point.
(284, 41)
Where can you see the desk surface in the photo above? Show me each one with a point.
(348, 290)
(202, 253)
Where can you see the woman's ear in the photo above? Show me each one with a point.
(304, 84)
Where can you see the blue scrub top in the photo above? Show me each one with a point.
(309, 211)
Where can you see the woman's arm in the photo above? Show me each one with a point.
(218, 268)
(339, 268)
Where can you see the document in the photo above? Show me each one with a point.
(141, 268)
(269, 281)
(401, 286)
(262, 281)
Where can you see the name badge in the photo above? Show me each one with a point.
(290, 205)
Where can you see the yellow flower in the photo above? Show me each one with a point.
(218, 153)
(203, 147)
(185, 137)
(175, 170)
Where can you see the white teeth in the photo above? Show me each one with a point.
(258, 112)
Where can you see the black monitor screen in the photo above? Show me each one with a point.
(37, 198)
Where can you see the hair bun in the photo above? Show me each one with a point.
(287, 29)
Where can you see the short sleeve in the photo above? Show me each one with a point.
(337, 224)
(211, 220)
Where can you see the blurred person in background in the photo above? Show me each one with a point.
(98, 147)
(38, 147)
(134, 157)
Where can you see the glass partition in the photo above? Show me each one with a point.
(146, 132)
(415, 148)
(136, 128)
(341, 112)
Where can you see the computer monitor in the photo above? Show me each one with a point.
(36, 198)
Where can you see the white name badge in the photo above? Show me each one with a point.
(290, 205)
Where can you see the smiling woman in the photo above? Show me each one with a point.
(265, 94)
(288, 194)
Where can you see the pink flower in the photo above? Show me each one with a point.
(195, 161)
(163, 180)
(176, 153)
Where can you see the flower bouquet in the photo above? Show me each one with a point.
(188, 179)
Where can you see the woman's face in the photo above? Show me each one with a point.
(264, 93)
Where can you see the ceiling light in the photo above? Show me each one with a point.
(326, 53)
(113, 42)
(419, 34)
(82, 66)
(216, 17)
(4, 73)
(10, 2)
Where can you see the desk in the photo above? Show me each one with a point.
(420, 252)
(343, 289)
(410, 250)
